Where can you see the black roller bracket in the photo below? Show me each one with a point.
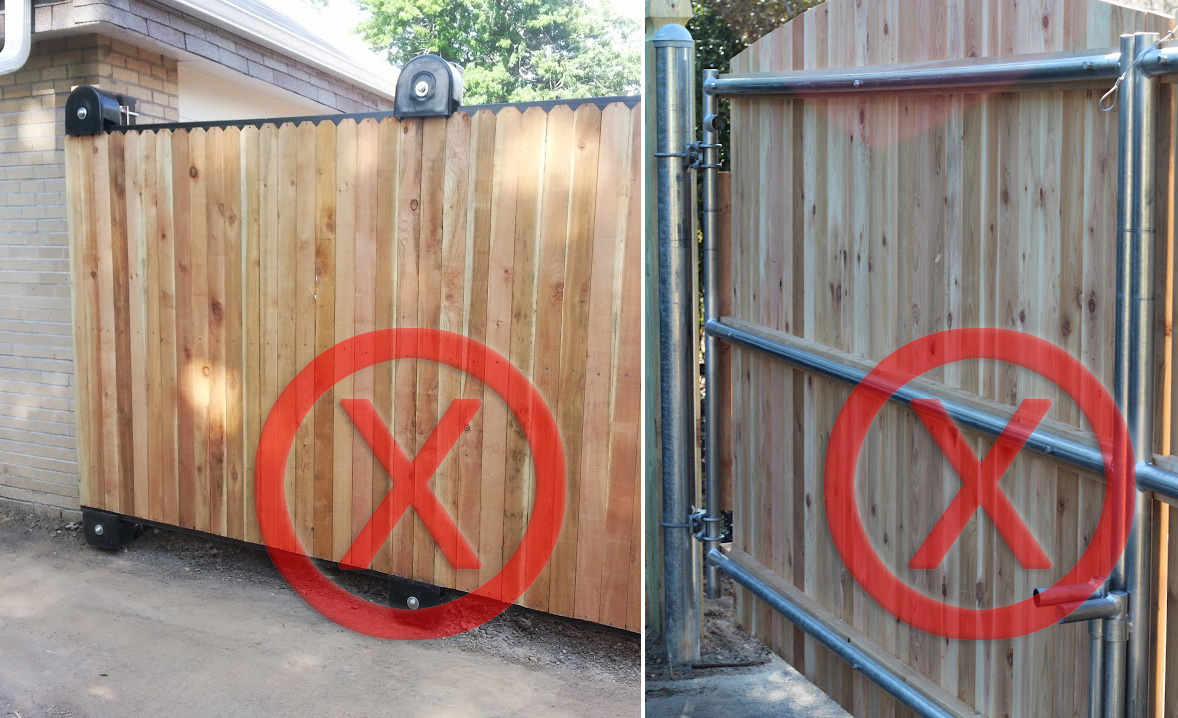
(109, 531)
(407, 593)
(428, 87)
(91, 111)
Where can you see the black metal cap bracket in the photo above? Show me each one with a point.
(91, 111)
(428, 87)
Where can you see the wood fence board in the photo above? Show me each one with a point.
(453, 305)
(213, 264)
(483, 149)
(518, 472)
(550, 284)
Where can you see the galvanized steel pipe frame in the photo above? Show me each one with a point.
(955, 75)
(678, 365)
(1057, 447)
(1126, 660)
(836, 644)
(1133, 382)
(710, 169)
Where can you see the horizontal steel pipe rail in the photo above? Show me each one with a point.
(859, 660)
(974, 73)
(1156, 479)
(1149, 476)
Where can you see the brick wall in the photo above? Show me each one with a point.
(37, 446)
(38, 460)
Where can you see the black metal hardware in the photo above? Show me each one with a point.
(91, 111)
(108, 531)
(428, 87)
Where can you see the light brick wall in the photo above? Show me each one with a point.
(38, 459)
(37, 445)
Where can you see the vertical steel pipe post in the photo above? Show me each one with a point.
(678, 365)
(1095, 668)
(710, 168)
(1133, 384)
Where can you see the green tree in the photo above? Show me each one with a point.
(513, 50)
(722, 29)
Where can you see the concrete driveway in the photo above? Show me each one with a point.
(181, 626)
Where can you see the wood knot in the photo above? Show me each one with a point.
(413, 204)
(193, 172)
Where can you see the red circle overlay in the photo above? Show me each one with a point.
(520, 570)
(842, 457)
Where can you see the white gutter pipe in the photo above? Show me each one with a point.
(18, 35)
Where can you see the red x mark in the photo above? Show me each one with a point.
(410, 483)
(980, 479)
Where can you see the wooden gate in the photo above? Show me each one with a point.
(211, 263)
(861, 223)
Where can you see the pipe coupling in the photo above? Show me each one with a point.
(1116, 630)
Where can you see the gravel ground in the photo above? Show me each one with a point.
(721, 642)
(755, 683)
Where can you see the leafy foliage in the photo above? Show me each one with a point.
(513, 50)
(724, 28)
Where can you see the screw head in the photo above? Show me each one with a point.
(83, 113)
(412, 602)
(421, 89)
(98, 530)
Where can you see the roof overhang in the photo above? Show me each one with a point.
(233, 18)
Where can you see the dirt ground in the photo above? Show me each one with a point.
(754, 683)
(186, 626)
(720, 642)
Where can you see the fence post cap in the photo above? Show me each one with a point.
(673, 36)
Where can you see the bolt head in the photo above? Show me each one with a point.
(421, 89)
(98, 530)
(83, 113)
(412, 602)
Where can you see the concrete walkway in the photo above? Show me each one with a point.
(774, 690)
(186, 627)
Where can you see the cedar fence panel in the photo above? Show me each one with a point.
(211, 264)
(861, 223)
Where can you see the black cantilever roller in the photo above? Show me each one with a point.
(90, 111)
(428, 87)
